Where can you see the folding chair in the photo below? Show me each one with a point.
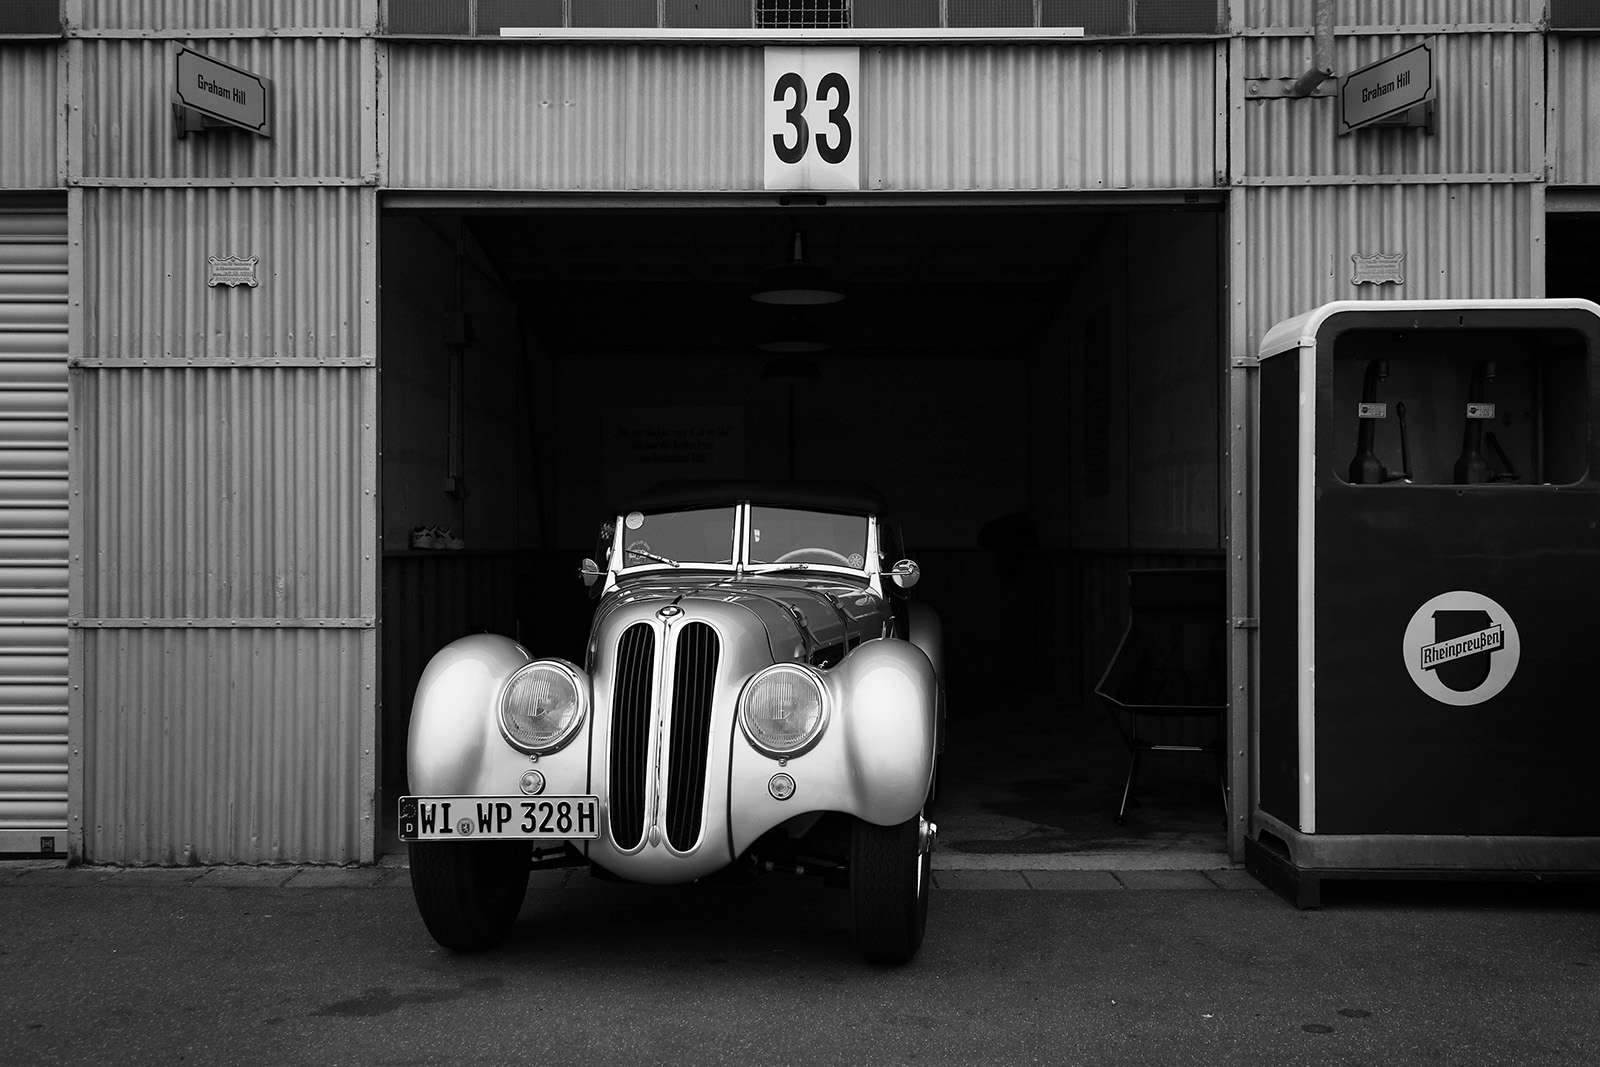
(1171, 664)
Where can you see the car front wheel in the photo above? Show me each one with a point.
(889, 882)
(469, 894)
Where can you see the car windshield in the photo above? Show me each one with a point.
(779, 538)
(787, 535)
(701, 535)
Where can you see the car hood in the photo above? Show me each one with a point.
(799, 616)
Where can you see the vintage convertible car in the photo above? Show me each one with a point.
(759, 693)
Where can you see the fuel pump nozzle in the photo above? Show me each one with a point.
(1511, 474)
(1472, 468)
(1366, 468)
(1405, 441)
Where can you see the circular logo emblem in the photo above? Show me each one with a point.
(464, 827)
(671, 611)
(1461, 648)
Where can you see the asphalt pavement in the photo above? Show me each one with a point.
(331, 966)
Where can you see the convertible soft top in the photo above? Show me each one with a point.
(849, 498)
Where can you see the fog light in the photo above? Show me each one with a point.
(781, 786)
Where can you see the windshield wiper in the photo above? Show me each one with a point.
(652, 556)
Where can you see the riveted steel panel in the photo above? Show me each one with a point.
(1040, 117)
(226, 745)
(575, 117)
(33, 531)
(690, 118)
(318, 96)
(1484, 125)
(1574, 87)
(1459, 241)
(1299, 14)
(230, 493)
(235, 14)
(30, 103)
(146, 271)
(225, 520)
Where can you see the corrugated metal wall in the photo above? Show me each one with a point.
(1463, 204)
(33, 532)
(1484, 124)
(316, 133)
(214, 15)
(224, 494)
(1035, 118)
(1574, 79)
(145, 271)
(1458, 240)
(30, 116)
(574, 118)
(223, 627)
(226, 745)
(686, 118)
(1380, 14)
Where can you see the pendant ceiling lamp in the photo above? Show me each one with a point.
(790, 369)
(795, 334)
(796, 282)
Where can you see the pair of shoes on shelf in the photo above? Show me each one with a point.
(435, 537)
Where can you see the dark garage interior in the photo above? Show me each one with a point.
(1035, 390)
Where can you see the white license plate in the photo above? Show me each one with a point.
(515, 818)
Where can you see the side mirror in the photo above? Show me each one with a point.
(589, 571)
(905, 574)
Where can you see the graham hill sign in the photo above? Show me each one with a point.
(223, 93)
(1387, 88)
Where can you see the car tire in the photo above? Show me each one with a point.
(469, 894)
(889, 881)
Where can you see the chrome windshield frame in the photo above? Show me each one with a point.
(740, 544)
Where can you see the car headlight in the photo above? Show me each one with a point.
(542, 706)
(782, 711)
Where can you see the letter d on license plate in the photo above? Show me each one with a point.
(510, 818)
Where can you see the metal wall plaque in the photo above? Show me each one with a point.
(232, 271)
(1379, 268)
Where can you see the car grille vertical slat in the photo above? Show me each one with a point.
(693, 687)
(630, 733)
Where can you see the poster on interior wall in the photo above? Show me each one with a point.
(646, 445)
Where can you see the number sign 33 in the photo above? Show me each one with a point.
(813, 124)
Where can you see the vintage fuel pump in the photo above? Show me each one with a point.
(1426, 699)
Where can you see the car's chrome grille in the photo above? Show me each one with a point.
(693, 687)
(630, 733)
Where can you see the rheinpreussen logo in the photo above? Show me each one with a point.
(1461, 648)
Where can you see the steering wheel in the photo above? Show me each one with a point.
(828, 556)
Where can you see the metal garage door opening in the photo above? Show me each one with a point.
(1034, 390)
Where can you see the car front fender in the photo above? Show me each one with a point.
(874, 759)
(454, 746)
(888, 706)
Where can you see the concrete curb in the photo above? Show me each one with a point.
(1020, 873)
(1163, 860)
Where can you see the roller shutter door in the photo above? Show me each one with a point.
(33, 533)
